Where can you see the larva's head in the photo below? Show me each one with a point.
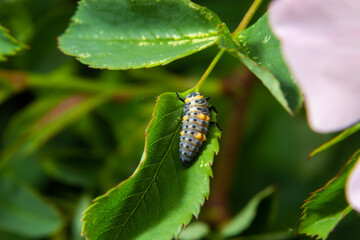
(193, 96)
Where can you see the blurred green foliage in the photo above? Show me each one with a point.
(69, 133)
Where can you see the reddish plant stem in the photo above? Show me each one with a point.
(239, 88)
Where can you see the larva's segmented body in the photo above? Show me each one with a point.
(195, 124)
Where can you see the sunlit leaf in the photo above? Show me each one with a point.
(244, 218)
(162, 195)
(8, 45)
(123, 34)
(259, 50)
(24, 212)
(342, 136)
(327, 206)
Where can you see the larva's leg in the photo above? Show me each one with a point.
(217, 125)
(207, 99)
(179, 97)
(212, 108)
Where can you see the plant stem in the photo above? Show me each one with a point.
(244, 22)
(239, 88)
(209, 69)
(248, 16)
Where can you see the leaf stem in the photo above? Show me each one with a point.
(243, 24)
(209, 69)
(239, 87)
(248, 16)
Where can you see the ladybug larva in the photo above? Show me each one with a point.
(195, 124)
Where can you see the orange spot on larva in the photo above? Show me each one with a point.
(202, 116)
(198, 136)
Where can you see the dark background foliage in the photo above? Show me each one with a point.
(68, 140)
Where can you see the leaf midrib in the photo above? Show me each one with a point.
(209, 37)
(146, 190)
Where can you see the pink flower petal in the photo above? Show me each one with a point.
(320, 41)
(353, 187)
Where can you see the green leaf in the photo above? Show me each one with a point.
(162, 195)
(196, 230)
(76, 226)
(123, 34)
(244, 218)
(8, 45)
(259, 50)
(343, 135)
(24, 212)
(327, 206)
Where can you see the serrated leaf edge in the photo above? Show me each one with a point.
(313, 194)
(3, 57)
(176, 234)
(243, 57)
(285, 104)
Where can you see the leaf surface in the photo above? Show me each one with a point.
(259, 50)
(123, 34)
(327, 206)
(162, 195)
(8, 45)
(23, 212)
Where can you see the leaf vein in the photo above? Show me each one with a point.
(117, 39)
(155, 175)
